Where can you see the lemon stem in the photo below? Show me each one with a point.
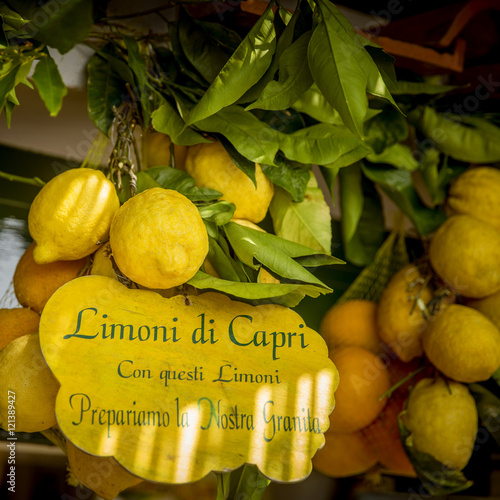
(400, 383)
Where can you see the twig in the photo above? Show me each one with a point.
(34, 181)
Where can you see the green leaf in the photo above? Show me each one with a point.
(201, 50)
(290, 175)
(219, 213)
(287, 294)
(275, 253)
(398, 155)
(435, 476)
(252, 138)
(463, 141)
(49, 84)
(294, 78)
(166, 119)
(384, 62)
(362, 222)
(7, 83)
(245, 165)
(223, 263)
(172, 178)
(119, 66)
(307, 222)
(488, 408)
(105, 90)
(385, 129)
(244, 68)
(321, 144)
(246, 483)
(61, 24)
(334, 59)
(398, 186)
(313, 103)
(416, 88)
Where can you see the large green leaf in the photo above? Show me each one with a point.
(334, 59)
(362, 221)
(7, 83)
(287, 294)
(308, 222)
(313, 103)
(291, 176)
(416, 88)
(243, 483)
(254, 139)
(49, 84)
(463, 141)
(294, 78)
(385, 129)
(172, 178)
(62, 24)
(200, 49)
(276, 254)
(437, 478)
(321, 144)
(398, 186)
(398, 155)
(166, 119)
(243, 69)
(105, 90)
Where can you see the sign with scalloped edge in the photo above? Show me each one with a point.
(175, 388)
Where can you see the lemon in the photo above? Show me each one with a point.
(399, 318)
(157, 151)
(465, 253)
(71, 215)
(16, 322)
(442, 419)
(158, 238)
(475, 192)
(102, 264)
(212, 167)
(24, 372)
(103, 475)
(463, 344)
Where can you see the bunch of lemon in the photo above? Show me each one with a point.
(155, 240)
(442, 315)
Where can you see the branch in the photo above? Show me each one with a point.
(34, 181)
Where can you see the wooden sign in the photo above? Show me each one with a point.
(175, 388)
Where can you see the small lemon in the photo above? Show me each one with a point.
(16, 322)
(157, 152)
(158, 238)
(400, 319)
(442, 419)
(212, 167)
(465, 253)
(475, 192)
(463, 344)
(102, 264)
(24, 372)
(71, 215)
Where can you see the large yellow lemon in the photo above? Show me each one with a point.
(158, 238)
(212, 167)
(71, 215)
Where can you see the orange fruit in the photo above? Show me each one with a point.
(17, 322)
(344, 455)
(383, 436)
(35, 283)
(352, 323)
(363, 378)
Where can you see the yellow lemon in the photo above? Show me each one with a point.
(212, 167)
(400, 319)
(24, 373)
(71, 215)
(442, 419)
(102, 264)
(16, 322)
(103, 475)
(157, 151)
(158, 239)
(475, 192)
(465, 253)
(463, 344)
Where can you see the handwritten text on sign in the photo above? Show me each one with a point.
(173, 390)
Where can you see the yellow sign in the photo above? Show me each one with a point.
(175, 388)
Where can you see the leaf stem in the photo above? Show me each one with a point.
(401, 382)
(34, 181)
